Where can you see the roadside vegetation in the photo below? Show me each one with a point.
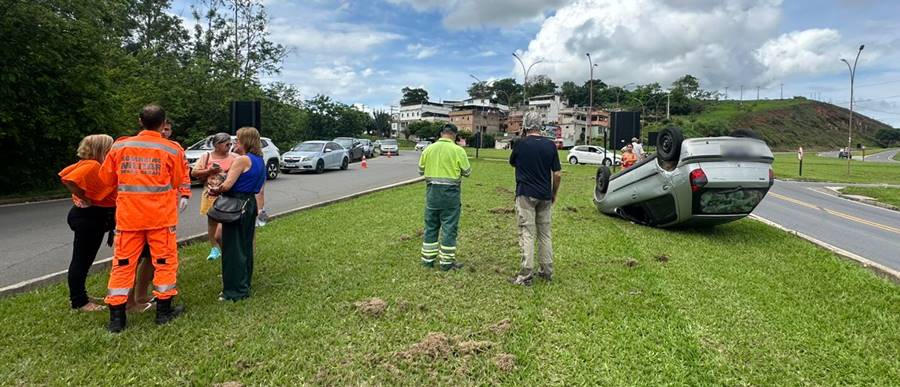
(337, 302)
(816, 168)
(882, 194)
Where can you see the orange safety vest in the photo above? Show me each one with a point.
(148, 173)
(628, 159)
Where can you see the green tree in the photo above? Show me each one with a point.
(480, 90)
(413, 96)
(425, 129)
(887, 137)
(541, 85)
(382, 124)
(508, 91)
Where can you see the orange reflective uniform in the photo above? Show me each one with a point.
(628, 159)
(85, 175)
(184, 189)
(147, 172)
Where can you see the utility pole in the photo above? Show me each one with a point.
(757, 93)
(782, 91)
(726, 92)
(525, 81)
(591, 101)
(742, 95)
(850, 128)
(668, 103)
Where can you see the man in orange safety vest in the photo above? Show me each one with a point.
(147, 170)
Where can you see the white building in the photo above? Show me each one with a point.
(429, 111)
(548, 106)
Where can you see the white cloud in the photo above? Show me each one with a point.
(801, 52)
(486, 54)
(336, 38)
(460, 14)
(420, 51)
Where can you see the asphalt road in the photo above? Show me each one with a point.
(36, 240)
(868, 231)
(880, 157)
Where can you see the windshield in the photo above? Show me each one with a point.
(424, 142)
(204, 144)
(308, 147)
(346, 143)
(389, 142)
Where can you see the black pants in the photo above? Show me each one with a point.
(90, 225)
(237, 251)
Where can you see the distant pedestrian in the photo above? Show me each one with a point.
(628, 157)
(637, 148)
(147, 170)
(212, 169)
(92, 215)
(538, 174)
(244, 181)
(443, 164)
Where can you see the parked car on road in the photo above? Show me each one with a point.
(271, 154)
(699, 181)
(353, 146)
(315, 156)
(421, 145)
(368, 147)
(843, 154)
(591, 154)
(389, 146)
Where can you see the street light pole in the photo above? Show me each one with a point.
(591, 102)
(525, 73)
(850, 128)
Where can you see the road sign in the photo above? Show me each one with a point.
(800, 153)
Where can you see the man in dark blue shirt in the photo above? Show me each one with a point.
(537, 181)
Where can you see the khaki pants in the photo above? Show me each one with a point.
(534, 219)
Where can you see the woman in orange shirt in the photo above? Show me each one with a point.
(92, 216)
(628, 157)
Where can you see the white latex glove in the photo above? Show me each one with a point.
(182, 204)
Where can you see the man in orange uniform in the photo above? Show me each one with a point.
(147, 170)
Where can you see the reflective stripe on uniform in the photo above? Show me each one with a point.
(442, 181)
(185, 186)
(164, 288)
(117, 291)
(448, 248)
(144, 188)
(427, 260)
(146, 145)
(466, 172)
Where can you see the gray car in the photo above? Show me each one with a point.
(315, 156)
(699, 181)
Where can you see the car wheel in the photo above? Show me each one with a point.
(603, 174)
(668, 144)
(573, 160)
(272, 170)
(607, 162)
(320, 166)
(344, 164)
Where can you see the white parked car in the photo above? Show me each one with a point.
(592, 154)
(271, 154)
(421, 145)
(389, 146)
(315, 156)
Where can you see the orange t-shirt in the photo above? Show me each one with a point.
(85, 174)
(628, 159)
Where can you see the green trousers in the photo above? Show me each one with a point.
(237, 251)
(442, 209)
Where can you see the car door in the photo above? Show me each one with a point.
(591, 155)
(331, 151)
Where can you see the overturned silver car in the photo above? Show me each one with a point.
(699, 181)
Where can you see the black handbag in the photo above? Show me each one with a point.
(227, 209)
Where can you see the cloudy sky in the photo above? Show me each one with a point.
(366, 51)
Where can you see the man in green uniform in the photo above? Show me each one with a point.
(444, 164)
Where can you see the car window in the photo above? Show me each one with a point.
(308, 147)
(265, 144)
(345, 143)
(389, 142)
(333, 146)
(205, 144)
(578, 149)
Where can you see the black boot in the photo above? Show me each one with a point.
(165, 312)
(116, 318)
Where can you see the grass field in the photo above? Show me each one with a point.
(885, 195)
(741, 304)
(817, 168)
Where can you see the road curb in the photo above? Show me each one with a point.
(103, 264)
(871, 202)
(876, 267)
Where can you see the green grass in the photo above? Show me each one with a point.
(830, 169)
(740, 304)
(897, 156)
(885, 195)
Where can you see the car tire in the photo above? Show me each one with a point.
(272, 170)
(344, 163)
(603, 174)
(320, 166)
(573, 160)
(607, 162)
(668, 144)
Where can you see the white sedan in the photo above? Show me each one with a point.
(591, 154)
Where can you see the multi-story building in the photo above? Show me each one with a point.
(573, 125)
(514, 122)
(429, 111)
(548, 106)
(474, 115)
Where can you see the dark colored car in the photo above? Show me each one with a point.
(353, 146)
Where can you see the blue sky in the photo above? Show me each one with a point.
(366, 51)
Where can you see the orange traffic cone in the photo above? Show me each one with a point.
(364, 163)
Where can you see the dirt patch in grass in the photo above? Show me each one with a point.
(662, 258)
(373, 307)
(229, 384)
(631, 262)
(501, 326)
(473, 347)
(434, 346)
(570, 209)
(502, 210)
(505, 362)
(504, 190)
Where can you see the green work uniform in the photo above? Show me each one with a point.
(443, 164)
